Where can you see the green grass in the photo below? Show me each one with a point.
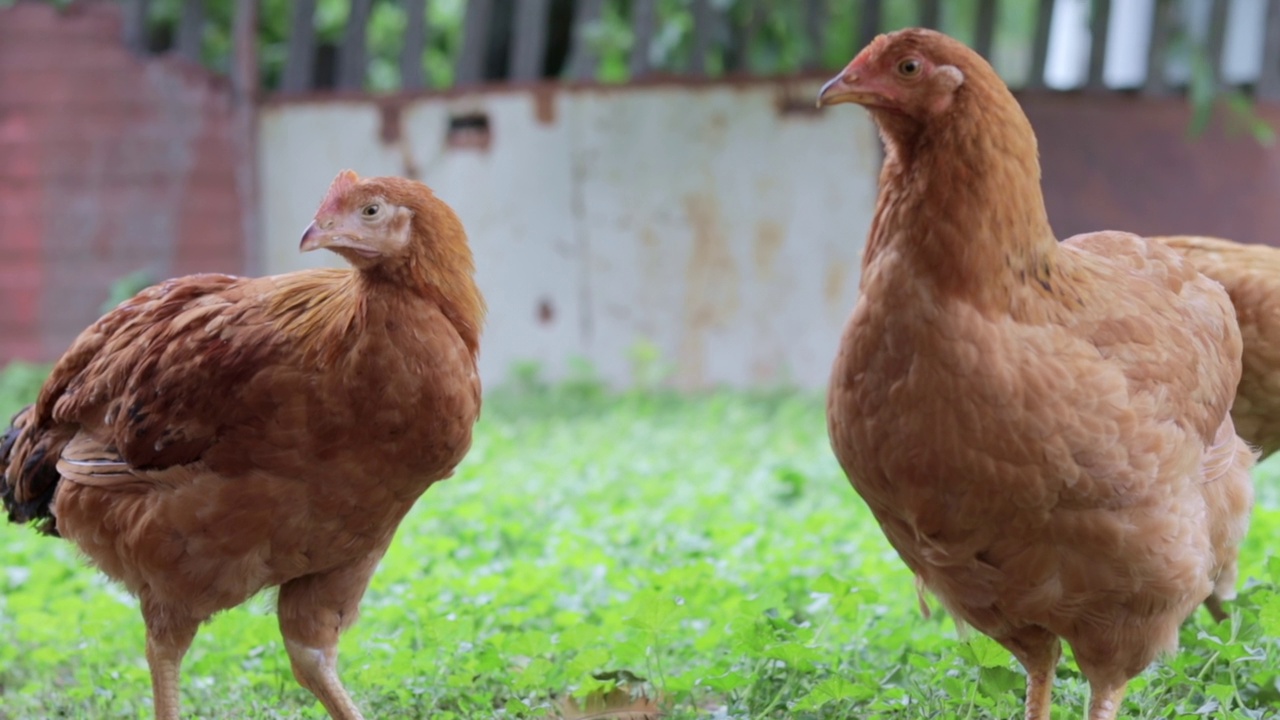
(709, 545)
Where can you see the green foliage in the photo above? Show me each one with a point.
(126, 287)
(19, 384)
(707, 549)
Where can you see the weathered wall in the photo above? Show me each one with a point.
(723, 223)
(109, 164)
(1128, 163)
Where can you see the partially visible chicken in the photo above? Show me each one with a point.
(214, 436)
(1041, 429)
(1251, 275)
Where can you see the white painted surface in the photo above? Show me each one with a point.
(701, 219)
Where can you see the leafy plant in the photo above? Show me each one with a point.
(701, 554)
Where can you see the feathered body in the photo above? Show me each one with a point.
(1251, 276)
(214, 435)
(1041, 429)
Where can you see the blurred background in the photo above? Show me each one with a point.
(651, 195)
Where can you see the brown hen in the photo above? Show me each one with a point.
(1251, 276)
(1041, 429)
(214, 436)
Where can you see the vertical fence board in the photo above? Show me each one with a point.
(528, 40)
(815, 26)
(190, 40)
(300, 52)
(244, 52)
(1040, 44)
(929, 14)
(1217, 36)
(1099, 23)
(1269, 76)
(413, 76)
(469, 68)
(582, 58)
(869, 22)
(985, 24)
(644, 20)
(352, 58)
(705, 19)
(134, 29)
(1161, 32)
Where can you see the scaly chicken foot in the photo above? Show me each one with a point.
(165, 650)
(316, 670)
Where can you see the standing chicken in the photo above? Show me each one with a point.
(1251, 276)
(214, 435)
(1041, 430)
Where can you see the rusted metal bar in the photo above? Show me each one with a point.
(644, 20)
(469, 68)
(1099, 23)
(1161, 32)
(815, 30)
(583, 58)
(412, 74)
(1040, 44)
(929, 14)
(190, 40)
(352, 60)
(869, 23)
(300, 52)
(1269, 77)
(528, 40)
(133, 31)
(705, 24)
(986, 28)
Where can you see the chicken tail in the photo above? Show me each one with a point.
(28, 474)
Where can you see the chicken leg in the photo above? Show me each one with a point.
(314, 610)
(1104, 702)
(167, 644)
(1038, 651)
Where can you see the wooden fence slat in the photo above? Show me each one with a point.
(352, 60)
(133, 31)
(1040, 44)
(244, 54)
(1099, 23)
(704, 27)
(528, 40)
(644, 20)
(1217, 37)
(929, 14)
(1161, 32)
(815, 28)
(1269, 77)
(190, 40)
(582, 57)
(413, 76)
(469, 68)
(985, 28)
(300, 52)
(869, 23)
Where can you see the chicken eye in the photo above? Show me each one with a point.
(370, 210)
(909, 67)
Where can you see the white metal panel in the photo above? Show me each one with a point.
(701, 218)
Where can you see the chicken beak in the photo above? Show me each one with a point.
(312, 238)
(847, 88)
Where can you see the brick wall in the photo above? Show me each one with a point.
(109, 163)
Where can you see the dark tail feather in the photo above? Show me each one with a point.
(27, 491)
